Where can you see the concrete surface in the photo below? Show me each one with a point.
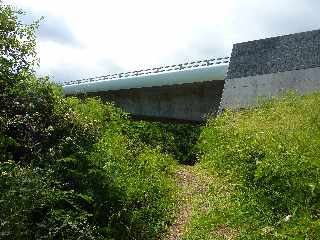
(187, 102)
(246, 91)
(269, 67)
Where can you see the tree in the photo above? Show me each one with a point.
(40, 138)
(17, 43)
(26, 102)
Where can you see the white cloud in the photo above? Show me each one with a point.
(125, 35)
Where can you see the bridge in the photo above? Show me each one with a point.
(190, 91)
(183, 92)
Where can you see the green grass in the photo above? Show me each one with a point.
(265, 166)
(210, 207)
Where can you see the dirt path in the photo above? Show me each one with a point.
(190, 185)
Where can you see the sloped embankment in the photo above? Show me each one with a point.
(264, 169)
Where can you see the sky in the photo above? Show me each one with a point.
(80, 39)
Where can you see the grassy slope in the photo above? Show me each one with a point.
(262, 167)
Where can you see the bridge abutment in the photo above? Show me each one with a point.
(270, 67)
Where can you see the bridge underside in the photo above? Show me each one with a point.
(185, 102)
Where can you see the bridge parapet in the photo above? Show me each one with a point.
(156, 70)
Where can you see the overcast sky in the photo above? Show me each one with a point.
(79, 39)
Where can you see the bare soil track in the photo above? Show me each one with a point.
(190, 185)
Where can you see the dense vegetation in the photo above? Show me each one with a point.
(70, 168)
(265, 166)
(176, 139)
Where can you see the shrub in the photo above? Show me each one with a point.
(68, 168)
(96, 185)
(144, 176)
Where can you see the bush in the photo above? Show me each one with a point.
(37, 204)
(272, 155)
(68, 168)
(96, 185)
(143, 174)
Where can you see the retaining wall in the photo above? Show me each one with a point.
(272, 66)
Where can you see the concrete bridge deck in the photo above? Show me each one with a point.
(184, 92)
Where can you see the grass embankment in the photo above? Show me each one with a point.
(262, 167)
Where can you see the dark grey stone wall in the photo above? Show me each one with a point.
(277, 54)
(186, 102)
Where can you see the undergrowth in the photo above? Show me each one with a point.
(69, 170)
(176, 139)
